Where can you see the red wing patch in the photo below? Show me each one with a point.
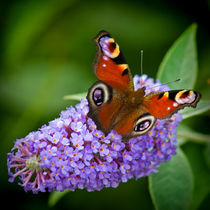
(110, 65)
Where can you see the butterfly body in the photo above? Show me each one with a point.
(115, 105)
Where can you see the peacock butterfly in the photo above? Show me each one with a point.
(115, 105)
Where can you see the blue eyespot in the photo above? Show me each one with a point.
(98, 96)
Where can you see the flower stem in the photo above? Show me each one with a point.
(192, 135)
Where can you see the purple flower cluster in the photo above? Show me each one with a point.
(71, 153)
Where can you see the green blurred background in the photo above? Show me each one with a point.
(47, 52)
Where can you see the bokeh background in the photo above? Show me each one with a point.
(47, 52)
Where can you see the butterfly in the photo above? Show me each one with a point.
(115, 105)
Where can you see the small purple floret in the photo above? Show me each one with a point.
(71, 153)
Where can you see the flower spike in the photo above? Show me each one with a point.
(71, 153)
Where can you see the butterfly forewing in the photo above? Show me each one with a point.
(110, 65)
(164, 104)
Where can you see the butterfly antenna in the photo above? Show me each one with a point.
(177, 80)
(142, 52)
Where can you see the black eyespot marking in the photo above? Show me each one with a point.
(119, 59)
(161, 95)
(142, 125)
(125, 72)
(98, 96)
(185, 94)
(172, 94)
(113, 44)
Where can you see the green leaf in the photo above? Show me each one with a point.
(180, 61)
(56, 196)
(181, 141)
(188, 133)
(75, 97)
(207, 154)
(194, 153)
(21, 34)
(171, 188)
(202, 106)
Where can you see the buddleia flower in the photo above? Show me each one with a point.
(70, 152)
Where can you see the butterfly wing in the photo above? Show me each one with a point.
(164, 104)
(110, 65)
(104, 105)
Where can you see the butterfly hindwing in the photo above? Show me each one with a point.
(103, 105)
(164, 104)
(110, 65)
